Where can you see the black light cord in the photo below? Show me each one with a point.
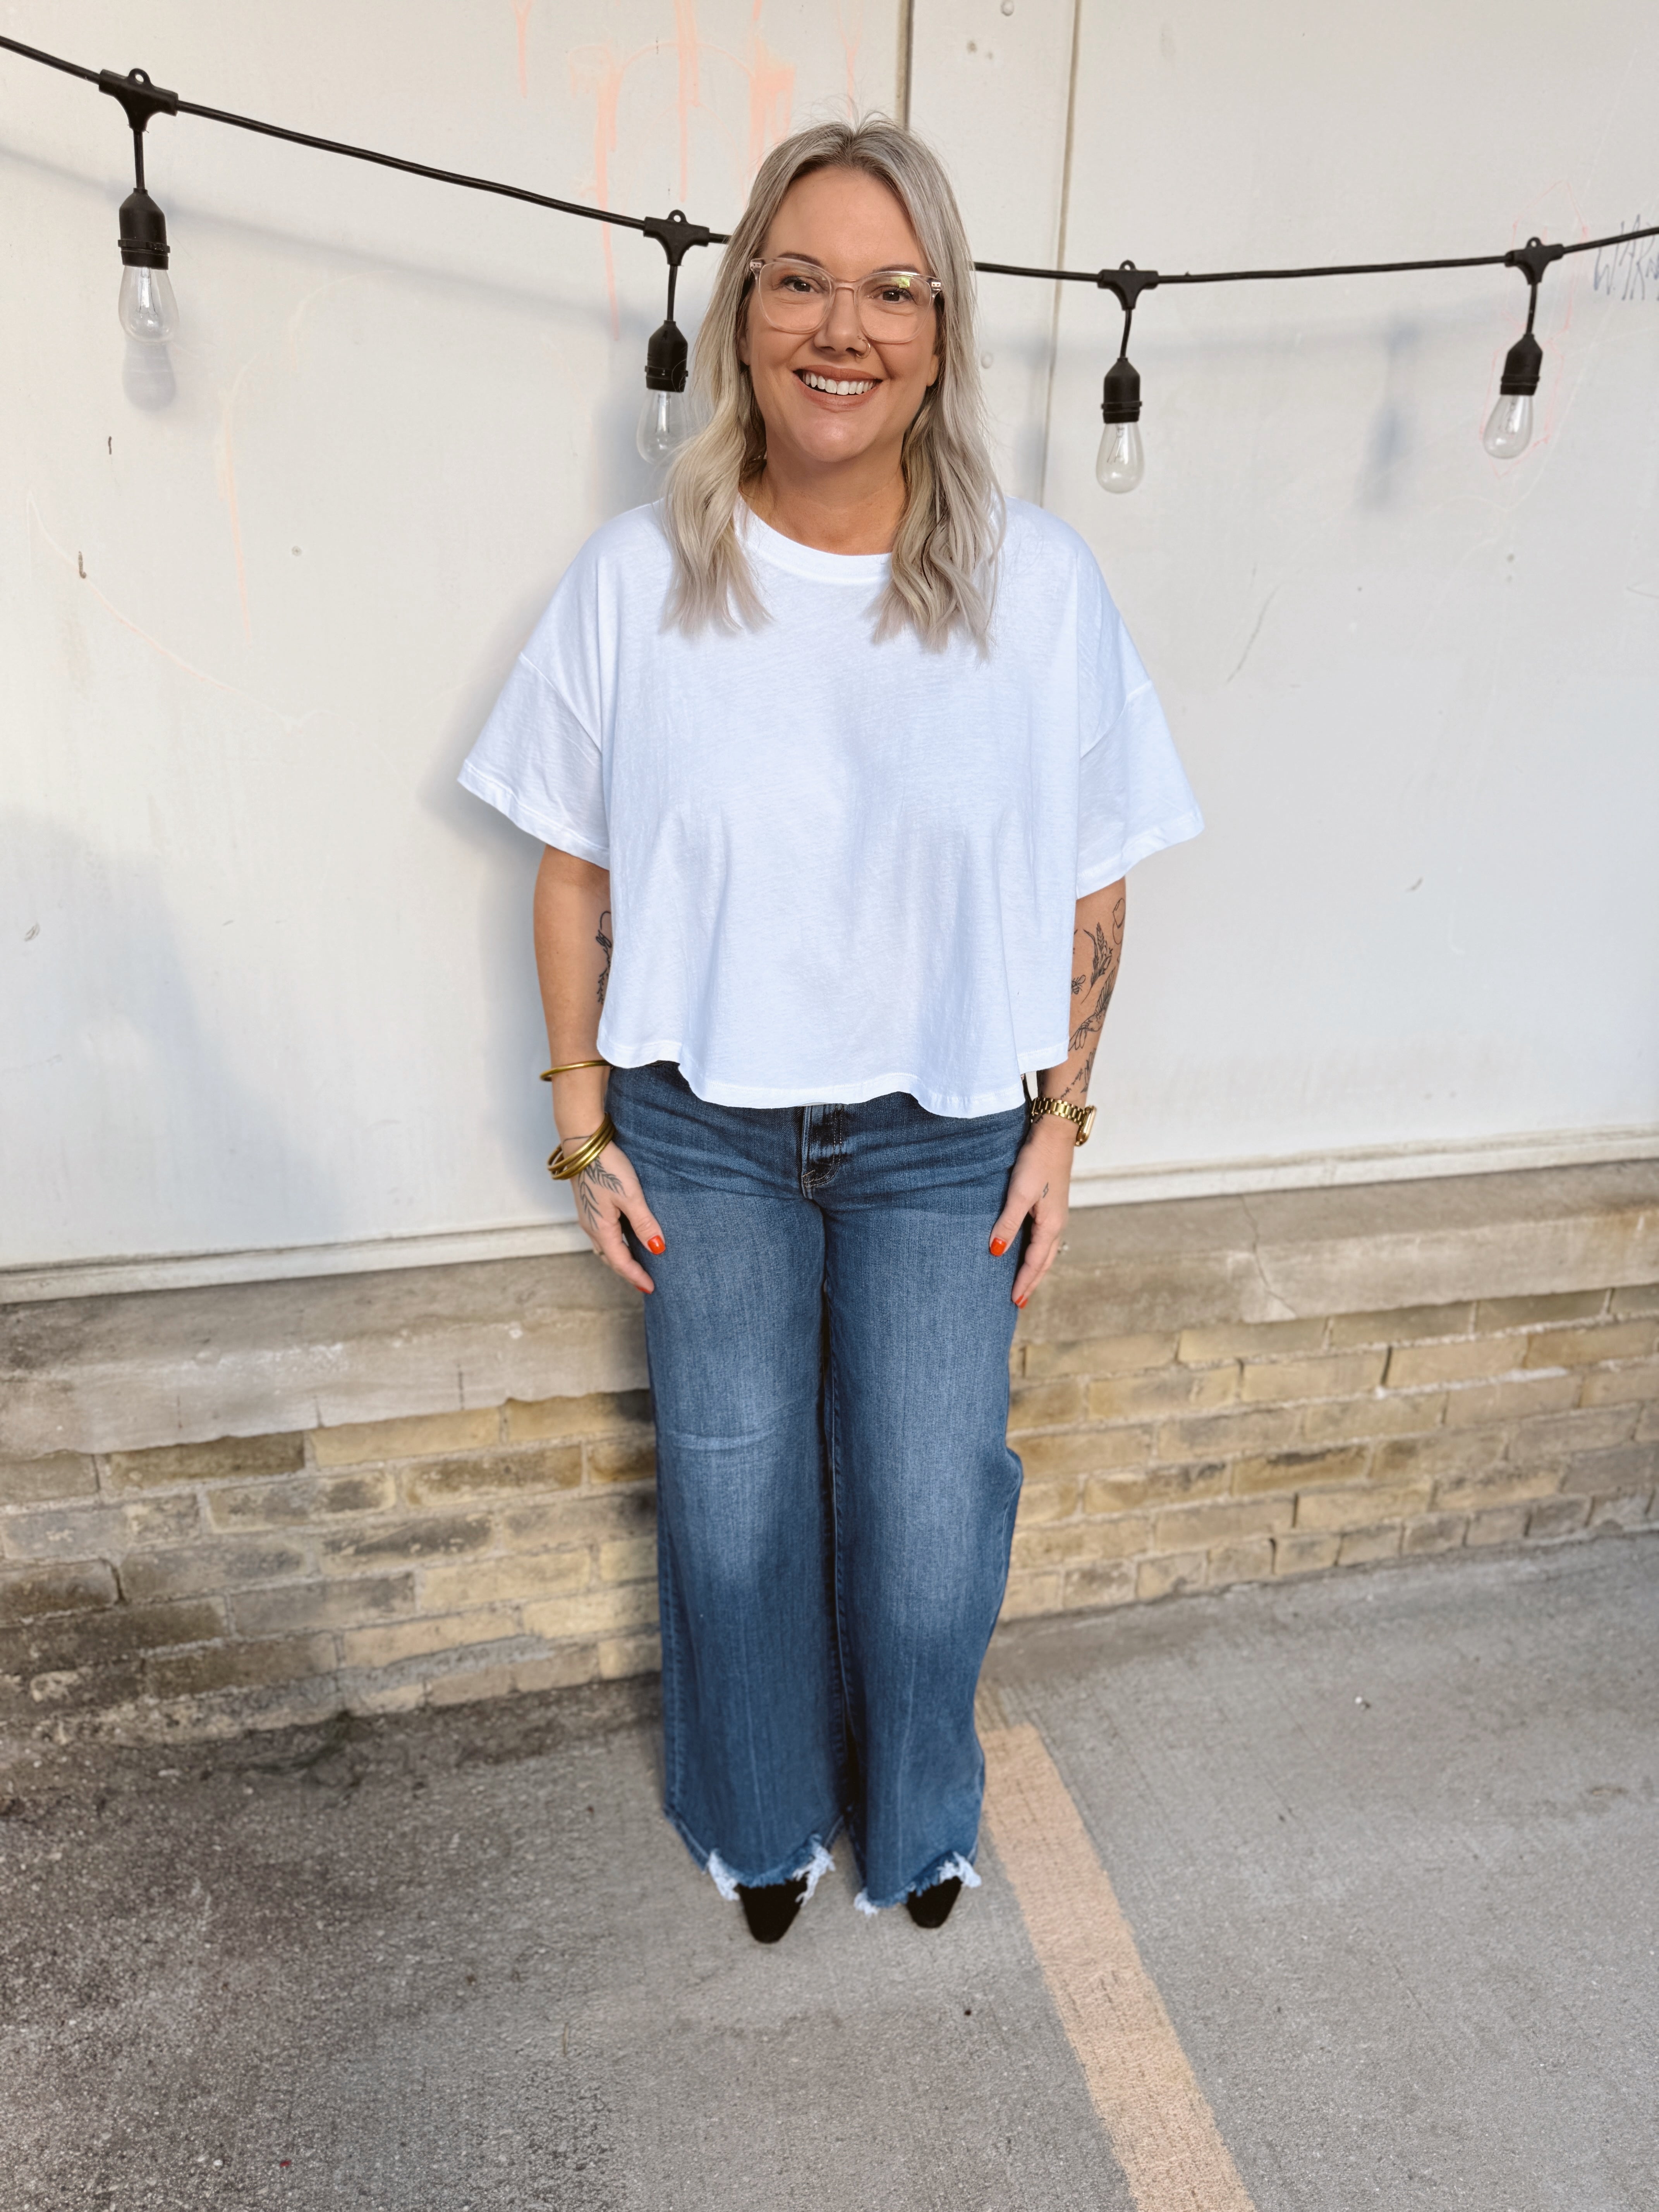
(1109, 280)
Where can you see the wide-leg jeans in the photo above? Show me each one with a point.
(828, 1342)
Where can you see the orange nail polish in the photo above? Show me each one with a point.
(655, 1244)
(1020, 1302)
(998, 1246)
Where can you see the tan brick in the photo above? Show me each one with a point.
(564, 1669)
(519, 1575)
(1299, 1470)
(1442, 1452)
(1400, 1325)
(622, 1459)
(1166, 1390)
(1057, 1403)
(1363, 1507)
(572, 1518)
(1219, 1521)
(1632, 1511)
(1618, 1386)
(1082, 1451)
(1339, 1376)
(149, 1578)
(1647, 1427)
(1557, 1516)
(1101, 1355)
(289, 1608)
(1494, 1485)
(601, 1413)
(1180, 1570)
(1359, 1547)
(1337, 1421)
(1636, 1298)
(1519, 1397)
(227, 1459)
(1467, 1359)
(1072, 1541)
(1626, 1467)
(1304, 1552)
(1251, 1561)
(101, 1531)
(605, 1612)
(1097, 1583)
(472, 1686)
(238, 1666)
(1155, 1485)
(290, 1505)
(1554, 1436)
(622, 1656)
(66, 1642)
(405, 1543)
(481, 1474)
(1552, 1307)
(1027, 1594)
(387, 1697)
(417, 1640)
(40, 1481)
(1220, 1435)
(631, 1559)
(1049, 1501)
(416, 1436)
(1433, 1531)
(1499, 1525)
(1579, 1347)
(1263, 1339)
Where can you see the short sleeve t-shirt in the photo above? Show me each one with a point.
(838, 867)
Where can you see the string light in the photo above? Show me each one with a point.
(149, 311)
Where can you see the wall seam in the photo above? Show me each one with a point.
(1060, 245)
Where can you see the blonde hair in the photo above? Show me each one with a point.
(942, 574)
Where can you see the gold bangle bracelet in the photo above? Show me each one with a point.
(562, 1167)
(565, 1067)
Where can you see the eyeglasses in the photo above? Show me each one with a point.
(891, 304)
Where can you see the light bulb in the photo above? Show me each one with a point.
(1122, 461)
(147, 309)
(664, 424)
(1509, 427)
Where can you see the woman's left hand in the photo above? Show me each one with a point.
(1040, 1186)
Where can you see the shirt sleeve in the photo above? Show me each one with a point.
(1134, 798)
(539, 758)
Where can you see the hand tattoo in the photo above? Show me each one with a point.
(589, 1183)
(603, 940)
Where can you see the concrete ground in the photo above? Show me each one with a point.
(1390, 1843)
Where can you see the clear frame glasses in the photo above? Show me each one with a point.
(892, 305)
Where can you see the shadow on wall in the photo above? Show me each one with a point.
(128, 1089)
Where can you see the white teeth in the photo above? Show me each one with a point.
(843, 390)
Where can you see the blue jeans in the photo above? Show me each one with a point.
(828, 1344)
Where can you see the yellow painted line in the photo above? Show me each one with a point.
(1144, 2091)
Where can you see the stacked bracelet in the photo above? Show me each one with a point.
(562, 1165)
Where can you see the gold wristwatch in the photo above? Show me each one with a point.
(1082, 1117)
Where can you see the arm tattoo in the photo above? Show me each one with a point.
(589, 1183)
(603, 940)
(1095, 980)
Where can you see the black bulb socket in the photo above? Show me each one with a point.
(1523, 364)
(1119, 396)
(143, 232)
(666, 358)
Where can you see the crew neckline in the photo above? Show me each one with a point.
(765, 544)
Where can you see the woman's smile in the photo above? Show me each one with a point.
(827, 387)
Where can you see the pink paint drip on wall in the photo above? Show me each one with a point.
(849, 25)
(521, 24)
(771, 92)
(596, 70)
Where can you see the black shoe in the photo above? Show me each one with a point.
(930, 1908)
(771, 1911)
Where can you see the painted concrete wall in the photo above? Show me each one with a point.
(267, 988)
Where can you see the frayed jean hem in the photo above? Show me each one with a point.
(812, 1858)
(953, 1866)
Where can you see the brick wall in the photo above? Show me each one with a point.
(389, 1563)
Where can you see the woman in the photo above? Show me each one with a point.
(849, 766)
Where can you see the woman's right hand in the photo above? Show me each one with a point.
(607, 1193)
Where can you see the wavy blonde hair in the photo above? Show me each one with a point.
(942, 576)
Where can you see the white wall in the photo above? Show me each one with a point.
(266, 990)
